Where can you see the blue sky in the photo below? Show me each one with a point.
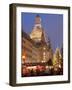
(51, 23)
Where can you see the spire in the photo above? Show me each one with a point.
(37, 19)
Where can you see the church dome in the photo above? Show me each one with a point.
(36, 34)
(37, 31)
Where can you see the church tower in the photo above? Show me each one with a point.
(37, 32)
(38, 35)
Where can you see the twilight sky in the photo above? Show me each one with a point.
(51, 23)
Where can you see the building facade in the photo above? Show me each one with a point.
(29, 51)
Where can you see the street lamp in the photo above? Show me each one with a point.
(23, 58)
